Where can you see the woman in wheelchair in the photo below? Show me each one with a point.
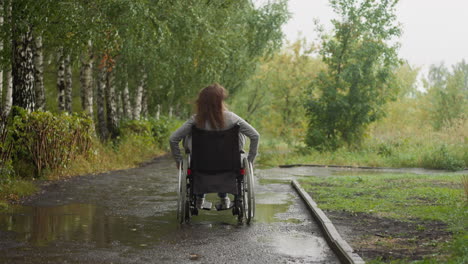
(212, 116)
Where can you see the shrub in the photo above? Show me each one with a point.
(442, 158)
(156, 131)
(44, 141)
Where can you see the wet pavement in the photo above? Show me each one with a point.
(129, 216)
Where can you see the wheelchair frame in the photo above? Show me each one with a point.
(244, 201)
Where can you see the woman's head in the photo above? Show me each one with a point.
(210, 106)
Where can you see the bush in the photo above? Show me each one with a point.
(442, 158)
(44, 141)
(156, 131)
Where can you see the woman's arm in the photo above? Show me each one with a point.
(248, 130)
(177, 136)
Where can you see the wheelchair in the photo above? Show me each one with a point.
(215, 164)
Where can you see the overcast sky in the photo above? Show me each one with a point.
(433, 30)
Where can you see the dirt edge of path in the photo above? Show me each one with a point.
(386, 239)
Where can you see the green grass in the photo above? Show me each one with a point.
(407, 197)
(14, 190)
(374, 154)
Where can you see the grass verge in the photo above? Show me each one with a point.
(128, 153)
(426, 205)
(12, 191)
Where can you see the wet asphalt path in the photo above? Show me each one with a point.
(129, 216)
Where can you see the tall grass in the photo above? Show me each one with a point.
(399, 140)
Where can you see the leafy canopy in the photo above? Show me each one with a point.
(361, 56)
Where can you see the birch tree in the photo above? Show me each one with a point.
(100, 103)
(86, 79)
(39, 73)
(127, 106)
(2, 61)
(8, 102)
(111, 103)
(139, 97)
(68, 83)
(23, 67)
(61, 81)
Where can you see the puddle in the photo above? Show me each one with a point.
(360, 172)
(83, 222)
(87, 222)
(301, 245)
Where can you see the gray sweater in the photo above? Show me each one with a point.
(230, 120)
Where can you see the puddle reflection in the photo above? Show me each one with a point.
(82, 222)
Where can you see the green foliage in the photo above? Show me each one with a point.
(272, 99)
(202, 48)
(348, 95)
(442, 158)
(448, 95)
(43, 141)
(13, 190)
(155, 130)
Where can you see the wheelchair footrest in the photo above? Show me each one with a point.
(220, 207)
(207, 205)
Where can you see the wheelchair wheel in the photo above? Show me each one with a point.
(248, 193)
(183, 204)
(181, 194)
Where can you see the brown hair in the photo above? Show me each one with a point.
(210, 106)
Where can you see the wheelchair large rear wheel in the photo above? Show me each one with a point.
(181, 194)
(183, 204)
(249, 194)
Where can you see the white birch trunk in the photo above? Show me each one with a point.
(158, 112)
(170, 111)
(120, 110)
(9, 75)
(126, 103)
(139, 97)
(8, 93)
(112, 122)
(2, 7)
(23, 69)
(144, 102)
(101, 115)
(86, 78)
(39, 74)
(68, 84)
(61, 81)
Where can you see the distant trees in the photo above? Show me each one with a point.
(348, 95)
(447, 94)
(132, 58)
(273, 98)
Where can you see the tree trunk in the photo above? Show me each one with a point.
(126, 103)
(9, 75)
(39, 74)
(111, 104)
(138, 98)
(144, 102)
(61, 81)
(8, 93)
(2, 7)
(68, 84)
(23, 69)
(120, 111)
(86, 77)
(101, 87)
(158, 112)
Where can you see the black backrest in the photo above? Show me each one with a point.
(215, 151)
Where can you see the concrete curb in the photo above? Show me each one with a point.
(342, 249)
